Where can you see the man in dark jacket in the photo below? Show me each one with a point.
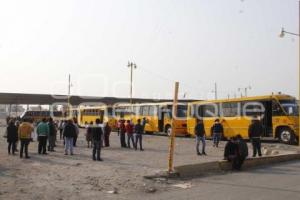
(138, 131)
(107, 131)
(52, 134)
(200, 136)
(217, 131)
(231, 152)
(255, 132)
(69, 134)
(122, 129)
(12, 137)
(97, 133)
(242, 153)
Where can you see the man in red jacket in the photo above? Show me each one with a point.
(129, 131)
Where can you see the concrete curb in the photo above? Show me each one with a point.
(221, 166)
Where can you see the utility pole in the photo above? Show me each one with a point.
(172, 137)
(69, 95)
(245, 90)
(216, 91)
(132, 66)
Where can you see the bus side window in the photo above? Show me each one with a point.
(253, 109)
(151, 110)
(145, 110)
(229, 110)
(210, 110)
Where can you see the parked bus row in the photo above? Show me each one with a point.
(277, 113)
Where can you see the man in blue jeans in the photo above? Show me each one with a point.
(200, 136)
(217, 131)
(69, 134)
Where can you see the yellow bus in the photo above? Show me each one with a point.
(88, 114)
(38, 116)
(278, 114)
(158, 116)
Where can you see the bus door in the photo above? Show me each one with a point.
(267, 119)
(161, 119)
(165, 118)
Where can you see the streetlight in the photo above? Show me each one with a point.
(132, 66)
(282, 34)
(245, 89)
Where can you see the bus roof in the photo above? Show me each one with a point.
(253, 98)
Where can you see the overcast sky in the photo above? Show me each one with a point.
(197, 42)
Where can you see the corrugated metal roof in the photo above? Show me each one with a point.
(46, 99)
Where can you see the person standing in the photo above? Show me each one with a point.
(123, 134)
(61, 128)
(107, 131)
(138, 129)
(255, 132)
(52, 134)
(43, 133)
(97, 134)
(12, 137)
(217, 131)
(77, 132)
(88, 136)
(200, 136)
(69, 134)
(17, 123)
(129, 131)
(144, 122)
(24, 132)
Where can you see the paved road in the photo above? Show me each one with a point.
(269, 183)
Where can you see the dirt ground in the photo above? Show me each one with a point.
(56, 176)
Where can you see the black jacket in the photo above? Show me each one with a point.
(138, 129)
(12, 133)
(243, 148)
(199, 130)
(255, 130)
(97, 133)
(69, 131)
(231, 149)
(217, 128)
(52, 129)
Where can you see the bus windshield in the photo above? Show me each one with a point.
(290, 107)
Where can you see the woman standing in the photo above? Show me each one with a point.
(12, 137)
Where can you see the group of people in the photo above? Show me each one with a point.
(236, 149)
(45, 131)
(134, 133)
(97, 135)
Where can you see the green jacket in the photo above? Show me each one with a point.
(43, 129)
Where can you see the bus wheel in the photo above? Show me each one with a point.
(286, 136)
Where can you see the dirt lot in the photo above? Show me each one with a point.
(56, 176)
